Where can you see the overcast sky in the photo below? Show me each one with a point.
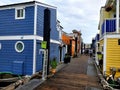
(81, 15)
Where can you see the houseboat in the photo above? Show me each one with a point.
(23, 26)
(110, 37)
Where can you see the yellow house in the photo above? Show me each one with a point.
(110, 36)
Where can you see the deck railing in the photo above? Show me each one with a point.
(109, 26)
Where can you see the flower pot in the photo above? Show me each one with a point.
(53, 71)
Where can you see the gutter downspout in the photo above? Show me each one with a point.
(34, 40)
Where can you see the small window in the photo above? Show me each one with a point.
(118, 41)
(20, 13)
(19, 46)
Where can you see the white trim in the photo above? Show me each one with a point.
(15, 6)
(26, 5)
(117, 16)
(0, 46)
(26, 37)
(35, 19)
(34, 44)
(16, 9)
(113, 36)
(104, 54)
(105, 28)
(54, 41)
(34, 56)
(17, 48)
(47, 6)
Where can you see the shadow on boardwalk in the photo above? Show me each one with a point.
(77, 75)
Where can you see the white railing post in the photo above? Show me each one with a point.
(105, 28)
(117, 16)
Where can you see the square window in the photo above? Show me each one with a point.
(20, 13)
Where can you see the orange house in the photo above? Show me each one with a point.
(65, 39)
(73, 47)
(72, 42)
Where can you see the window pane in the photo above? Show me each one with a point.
(18, 13)
(19, 46)
(21, 13)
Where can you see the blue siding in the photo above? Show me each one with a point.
(97, 37)
(8, 57)
(10, 26)
(39, 57)
(22, 63)
(40, 22)
(18, 67)
(109, 26)
(54, 51)
(54, 32)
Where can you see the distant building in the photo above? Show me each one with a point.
(62, 48)
(77, 37)
(87, 45)
(73, 42)
(66, 42)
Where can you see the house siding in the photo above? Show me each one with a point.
(54, 51)
(40, 20)
(101, 45)
(54, 34)
(113, 54)
(11, 26)
(39, 57)
(22, 62)
(8, 56)
(73, 48)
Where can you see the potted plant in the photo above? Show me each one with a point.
(67, 58)
(53, 64)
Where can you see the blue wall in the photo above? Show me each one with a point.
(22, 63)
(39, 57)
(54, 51)
(11, 26)
(97, 38)
(40, 22)
(9, 56)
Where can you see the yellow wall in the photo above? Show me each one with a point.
(101, 45)
(112, 54)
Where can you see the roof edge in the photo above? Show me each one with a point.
(29, 2)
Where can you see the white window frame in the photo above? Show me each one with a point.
(0, 46)
(17, 48)
(16, 11)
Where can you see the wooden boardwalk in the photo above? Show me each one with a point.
(74, 76)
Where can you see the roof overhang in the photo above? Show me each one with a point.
(28, 3)
(109, 5)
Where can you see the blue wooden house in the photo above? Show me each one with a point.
(21, 33)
